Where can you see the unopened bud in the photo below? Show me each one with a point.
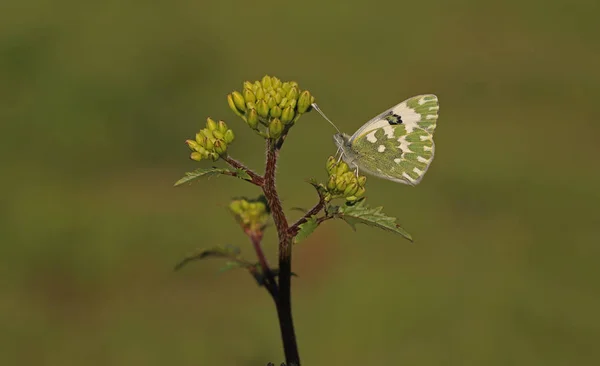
(222, 127)
(275, 112)
(196, 156)
(249, 96)
(266, 81)
(262, 108)
(211, 124)
(220, 147)
(304, 101)
(232, 105)
(331, 183)
(252, 119)
(331, 165)
(287, 115)
(292, 93)
(229, 136)
(239, 102)
(275, 128)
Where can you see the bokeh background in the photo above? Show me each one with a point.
(97, 98)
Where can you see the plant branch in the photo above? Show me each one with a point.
(293, 230)
(283, 301)
(256, 179)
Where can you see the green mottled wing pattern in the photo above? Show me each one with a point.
(398, 144)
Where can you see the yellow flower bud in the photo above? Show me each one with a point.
(287, 115)
(275, 112)
(232, 105)
(304, 101)
(266, 81)
(211, 124)
(249, 96)
(252, 119)
(275, 128)
(229, 136)
(223, 126)
(239, 102)
(262, 108)
(196, 156)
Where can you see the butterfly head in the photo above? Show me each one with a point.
(341, 140)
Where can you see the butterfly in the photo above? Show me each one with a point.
(397, 144)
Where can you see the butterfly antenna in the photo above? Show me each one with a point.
(316, 107)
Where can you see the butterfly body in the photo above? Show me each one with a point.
(397, 144)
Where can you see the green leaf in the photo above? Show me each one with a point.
(230, 252)
(305, 229)
(360, 213)
(209, 172)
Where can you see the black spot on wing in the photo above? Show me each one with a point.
(393, 119)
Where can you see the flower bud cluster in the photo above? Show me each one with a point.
(251, 214)
(211, 142)
(271, 103)
(343, 182)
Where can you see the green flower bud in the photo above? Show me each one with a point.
(293, 83)
(252, 119)
(278, 97)
(275, 128)
(211, 124)
(331, 183)
(250, 105)
(266, 81)
(256, 86)
(304, 101)
(262, 108)
(229, 136)
(275, 112)
(360, 192)
(340, 185)
(348, 177)
(260, 93)
(210, 143)
(214, 156)
(362, 180)
(220, 147)
(286, 86)
(275, 83)
(292, 93)
(271, 102)
(206, 132)
(249, 96)
(196, 156)
(236, 207)
(283, 102)
(218, 134)
(232, 105)
(200, 139)
(342, 168)
(223, 127)
(331, 165)
(293, 103)
(193, 145)
(287, 115)
(281, 91)
(239, 102)
(245, 205)
(350, 189)
(247, 85)
(351, 198)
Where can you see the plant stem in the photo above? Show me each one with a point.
(283, 300)
(270, 284)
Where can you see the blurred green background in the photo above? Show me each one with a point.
(97, 98)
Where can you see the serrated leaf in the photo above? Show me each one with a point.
(305, 229)
(209, 172)
(230, 252)
(360, 213)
